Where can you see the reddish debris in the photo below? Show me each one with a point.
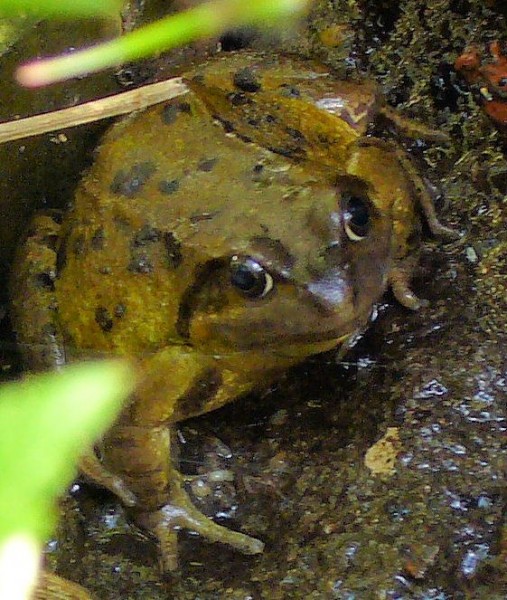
(489, 73)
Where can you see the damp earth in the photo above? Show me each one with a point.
(426, 518)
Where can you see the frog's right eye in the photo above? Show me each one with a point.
(250, 277)
(356, 216)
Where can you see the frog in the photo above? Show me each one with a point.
(218, 239)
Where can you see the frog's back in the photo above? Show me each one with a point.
(299, 110)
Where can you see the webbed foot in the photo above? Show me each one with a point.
(182, 514)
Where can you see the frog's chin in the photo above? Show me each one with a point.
(299, 349)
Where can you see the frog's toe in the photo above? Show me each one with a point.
(182, 514)
(447, 233)
(91, 467)
(399, 279)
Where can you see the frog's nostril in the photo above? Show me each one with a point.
(329, 293)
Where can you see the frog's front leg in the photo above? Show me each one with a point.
(175, 384)
(399, 190)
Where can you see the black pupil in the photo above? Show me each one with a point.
(244, 278)
(359, 213)
(250, 277)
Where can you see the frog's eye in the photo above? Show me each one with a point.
(356, 216)
(251, 278)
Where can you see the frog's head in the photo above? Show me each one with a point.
(307, 275)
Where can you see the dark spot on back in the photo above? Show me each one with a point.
(296, 134)
(288, 152)
(289, 91)
(185, 107)
(199, 79)
(44, 281)
(168, 186)
(259, 172)
(245, 80)
(61, 255)
(140, 263)
(204, 216)
(144, 236)
(97, 241)
(170, 111)
(121, 224)
(227, 125)
(238, 99)
(244, 138)
(207, 164)
(270, 119)
(119, 310)
(103, 318)
(129, 183)
(173, 249)
(169, 114)
(253, 122)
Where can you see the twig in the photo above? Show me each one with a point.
(95, 110)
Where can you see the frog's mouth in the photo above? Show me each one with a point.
(292, 321)
(290, 344)
(300, 349)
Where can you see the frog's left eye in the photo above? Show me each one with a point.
(251, 278)
(356, 216)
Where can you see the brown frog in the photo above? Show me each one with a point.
(219, 239)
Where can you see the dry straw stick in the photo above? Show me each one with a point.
(95, 110)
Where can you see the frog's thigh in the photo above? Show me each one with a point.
(33, 303)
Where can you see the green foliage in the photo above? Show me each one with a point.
(60, 8)
(46, 422)
(204, 20)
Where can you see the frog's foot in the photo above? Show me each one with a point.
(91, 467)
(182, 514)
(399, 280)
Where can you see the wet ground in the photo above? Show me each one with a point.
(423, 517)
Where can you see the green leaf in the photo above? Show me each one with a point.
(205, 20)
(46, 422)
(60, 8)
